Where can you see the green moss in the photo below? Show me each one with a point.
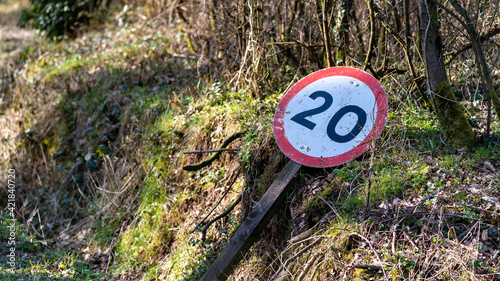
(454, 124)
(363, 274)
(317, 208)
(496, 102)
(390, 183)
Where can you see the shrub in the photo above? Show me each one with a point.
(60, 19)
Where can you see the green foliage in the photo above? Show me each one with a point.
(133, 96)
(34, 264)
(196, 269)
(58, 19)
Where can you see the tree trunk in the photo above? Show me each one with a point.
(482, 65)
(324, 27)
(345, 14)
(454, 124)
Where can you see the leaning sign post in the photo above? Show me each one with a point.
(326, 119)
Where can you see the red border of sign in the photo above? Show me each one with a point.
(301, 158)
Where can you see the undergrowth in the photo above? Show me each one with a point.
(97, 129)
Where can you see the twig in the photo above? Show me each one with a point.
(220, 199)
(315, 270)
(331, 207)
(205, 228)
(306, 234)
(373, 250)
(284, 272)
(206, 162)
(449, 200)
(44, 160)
(405, 50)
(410, 240)
(461, 237)
(211, 150)
(421, 202)
(448, 215)
(302, 251)
(371, 41)
(368, 267)
(301, 236)
(452, 55)
(124, 188)
(370, 177)
(393, 242)
(309, 264)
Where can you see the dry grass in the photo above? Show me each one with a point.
(150, 87)
(417, 238)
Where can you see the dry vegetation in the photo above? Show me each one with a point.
(96, 129)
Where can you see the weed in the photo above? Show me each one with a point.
(106, 118)
(36, 259)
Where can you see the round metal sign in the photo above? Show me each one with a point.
(330, 116)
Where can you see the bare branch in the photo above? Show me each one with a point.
(452, 55)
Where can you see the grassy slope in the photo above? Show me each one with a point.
(111, 115)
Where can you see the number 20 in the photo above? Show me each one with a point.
(330, 129)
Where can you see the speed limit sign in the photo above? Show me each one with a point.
(330, 117)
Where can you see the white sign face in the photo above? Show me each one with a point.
(316, 142)
(330, 116)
